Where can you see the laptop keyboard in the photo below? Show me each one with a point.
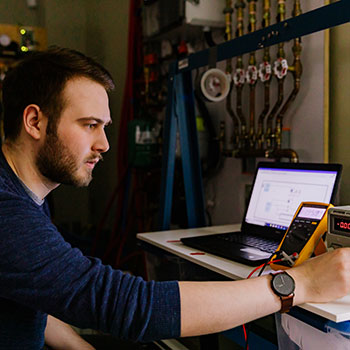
(229, 245)
(252, 241)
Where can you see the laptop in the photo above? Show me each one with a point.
(277, 191)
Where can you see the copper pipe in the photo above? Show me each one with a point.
(252, 76)
(228, 19)
(243, 133)
(222, 137)
(297, 70)
(232, 114)
(252, 116)
(284, 153)
(266, 59)
(240, 5)
(269, 135)
(271, 154)
(260, 132)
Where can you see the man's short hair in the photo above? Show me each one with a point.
(40, 79)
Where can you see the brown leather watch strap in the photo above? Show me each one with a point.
(286, 303)
(283, 285)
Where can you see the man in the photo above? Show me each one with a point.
(55, 112)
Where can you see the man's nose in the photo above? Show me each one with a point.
(101, 145)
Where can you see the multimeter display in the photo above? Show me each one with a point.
(341, 224)
(311, 213)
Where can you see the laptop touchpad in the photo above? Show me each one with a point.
(255, 254)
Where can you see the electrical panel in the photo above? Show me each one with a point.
(205, 13)
(162, 15)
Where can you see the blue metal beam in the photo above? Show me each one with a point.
(191, 166)
(168, 160)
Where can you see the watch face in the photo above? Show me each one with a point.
(283, 284)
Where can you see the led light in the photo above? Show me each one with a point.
(23, 31)
(24, 48)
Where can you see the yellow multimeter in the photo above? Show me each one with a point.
(304, 235)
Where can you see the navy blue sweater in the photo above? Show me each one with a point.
(42, 274)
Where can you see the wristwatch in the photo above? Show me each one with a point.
(283, 285)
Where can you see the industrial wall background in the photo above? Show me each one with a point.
(289, 102)
(314, 124)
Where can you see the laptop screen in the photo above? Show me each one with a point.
(278, 192)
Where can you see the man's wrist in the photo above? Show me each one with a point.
(299, 292)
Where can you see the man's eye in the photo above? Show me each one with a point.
(92, 126)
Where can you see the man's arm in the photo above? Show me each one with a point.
(208, 307)
(60, 336)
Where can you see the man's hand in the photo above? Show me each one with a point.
(60, 336)
(323, 278)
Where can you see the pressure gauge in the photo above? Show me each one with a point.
(215, 85)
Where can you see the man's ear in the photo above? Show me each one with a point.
(34, 121)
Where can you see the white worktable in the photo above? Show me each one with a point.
(336, 311)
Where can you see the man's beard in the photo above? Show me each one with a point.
(57, 163)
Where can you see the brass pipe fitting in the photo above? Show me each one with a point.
(281, 10)
(240, 6)
(228, 19)
(266, 15)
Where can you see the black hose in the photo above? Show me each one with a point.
(214, 155)
(208, 36)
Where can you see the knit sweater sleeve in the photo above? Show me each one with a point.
(40, 270)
